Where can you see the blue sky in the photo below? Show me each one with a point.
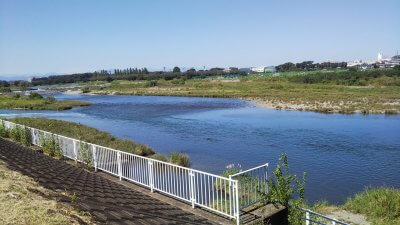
(77, 36)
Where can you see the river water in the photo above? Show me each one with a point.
(342, 154)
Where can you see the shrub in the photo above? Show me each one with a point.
(180, 159)
(35, 95)
(85, 155)
(151, 83)
(15, 134)
(3, 130)
(286, 189)
(52, 148)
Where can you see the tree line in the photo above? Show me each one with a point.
(309, 65)
(130, 74)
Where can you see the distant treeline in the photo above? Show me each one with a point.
(129, 74)
(310, 65)
(350, 77)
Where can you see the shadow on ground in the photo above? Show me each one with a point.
(108, 202)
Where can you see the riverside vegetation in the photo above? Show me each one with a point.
(88, 134)
(340, 90)
(35, 101)
(379, 205)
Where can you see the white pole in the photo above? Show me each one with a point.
(75, 151)
(307, 218)
(191, 176)
(151, 175)
(95, 158)
(119, 165)
(237, 204)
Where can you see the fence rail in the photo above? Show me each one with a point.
(215, 193)
(317, 218)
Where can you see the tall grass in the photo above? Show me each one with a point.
(380, 205)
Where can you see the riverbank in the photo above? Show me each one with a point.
(378, 206)
(272, 92)
(27, 103)
(92, 135)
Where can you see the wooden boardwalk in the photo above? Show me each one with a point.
(107, 201)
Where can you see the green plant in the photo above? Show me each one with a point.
(180, 159)
(151, 83)
(380, 205)
(52, 148)
(15, 134)
(286, 189)
(3, 130)
(85, 155)
(25, 136)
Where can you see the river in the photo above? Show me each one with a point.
(341, 154)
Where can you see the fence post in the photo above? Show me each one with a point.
(191, 184)
(237, 203)
(151, 175)
(75, 151)
(119, 165)
(230, 196)
(307, 218)
(94, 153)
(334, 222)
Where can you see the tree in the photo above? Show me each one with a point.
(176, 70)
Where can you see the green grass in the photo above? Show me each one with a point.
(12, 102)
(91, 135)
(380, 205)
(365, 94)
(85, 133)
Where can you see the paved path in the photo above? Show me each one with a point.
(108, 202)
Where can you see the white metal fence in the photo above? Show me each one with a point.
(215, 193)
(252, 184)
(317, 218)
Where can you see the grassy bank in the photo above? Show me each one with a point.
(92, 135)
(23, 201)
(380, 206)
(19, 102)
(324, 91)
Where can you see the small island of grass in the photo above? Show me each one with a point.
(35, 101)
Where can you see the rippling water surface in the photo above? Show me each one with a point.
(340, 153)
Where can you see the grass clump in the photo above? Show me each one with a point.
(379, 205)
(179, 158)
(52, 148)
(19, 134)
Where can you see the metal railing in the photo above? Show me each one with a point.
(252, 184)
(216, 193)
(317, 218)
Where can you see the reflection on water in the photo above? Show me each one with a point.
(340, 153)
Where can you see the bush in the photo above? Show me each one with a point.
(180, 159)
(159, 157)
(35, 95)
(52, 148)
(287, 190)
(85, 155)
(151, 83)
(3, 130)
